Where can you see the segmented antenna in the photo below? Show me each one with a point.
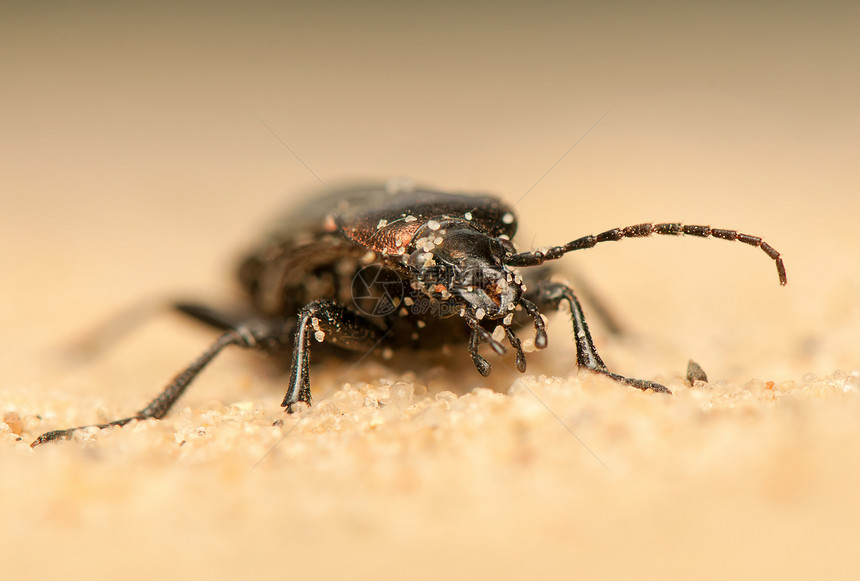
(642, 230)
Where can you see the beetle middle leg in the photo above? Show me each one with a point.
(548, 296)
(207, 315)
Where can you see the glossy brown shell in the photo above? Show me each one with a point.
(347, 224)
(385, 222)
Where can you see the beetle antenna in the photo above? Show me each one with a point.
(640, 231)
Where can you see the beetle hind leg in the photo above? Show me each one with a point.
(208, 316)
(548, 296)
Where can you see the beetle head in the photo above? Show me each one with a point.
(456, 263)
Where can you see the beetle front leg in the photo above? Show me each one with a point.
(548, 296)
(325, 320)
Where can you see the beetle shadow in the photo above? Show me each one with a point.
(430, 372)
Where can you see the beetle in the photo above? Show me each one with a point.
(394, 266)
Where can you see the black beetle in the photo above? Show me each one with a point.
(395, 266)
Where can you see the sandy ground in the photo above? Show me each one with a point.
(142, 150)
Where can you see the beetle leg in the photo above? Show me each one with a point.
(122, 323)
(540, 326)
(482, 333)
(484, 367)
(329, 321)
(479, 333)
(208, 316)
(515, 343)
(251, 335)
(113, 329)
(549, 295)
(596, 304)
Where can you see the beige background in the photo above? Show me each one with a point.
(142, 148)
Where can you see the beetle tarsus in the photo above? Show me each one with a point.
(541, 340)
(642, 384)
(548, 296)
(480, 333)
(482, 365)
(57, 435)
(515, 343)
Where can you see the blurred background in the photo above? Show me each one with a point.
(144, 146)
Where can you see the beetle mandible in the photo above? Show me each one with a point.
(396, 266)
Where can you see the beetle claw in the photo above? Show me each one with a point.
(483, 366)
(541, 339)
(515, 343)
(480, 333)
